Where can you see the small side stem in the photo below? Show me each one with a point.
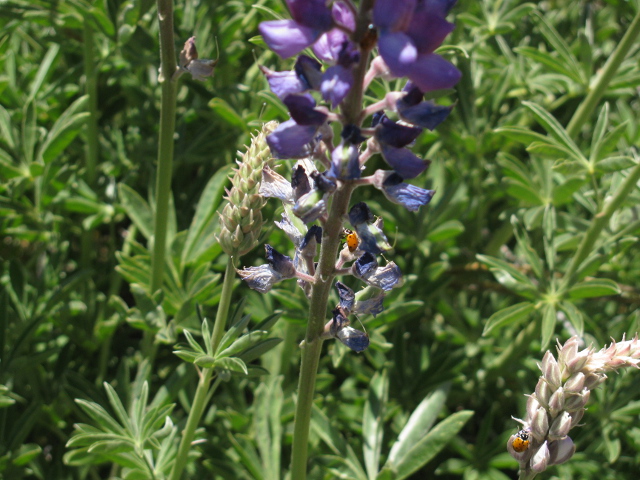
(598, 224)
(203, 392)
(586, 108)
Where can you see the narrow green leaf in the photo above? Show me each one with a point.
(43, 70)
(118, 407)
(242, 343)
(597, 287)
(233, 364)
(29, 132)
(227, 113)
(6, 128)
(574, 315)
(598, 132)
(419, 423)
(233, 333)
(506, 316)
(431, 444)
(259, 349)
(615, 164)
(445, 231)
(559, 45)
(508, 274)
(137, 209)
(550, 61)
(548, 328)
(521, 134)
(553, 128)
(205, 361)
(192, 342)
(248, 457)
(564, 193)
(373, 422)
(99, 415)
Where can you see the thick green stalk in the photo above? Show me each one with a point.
(165, 141)
(587, 107)
(598, 224)
(313, 342)
(203, 391)
(87, 247)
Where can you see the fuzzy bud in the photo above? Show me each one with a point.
(241, 218)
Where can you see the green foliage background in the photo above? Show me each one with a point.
(489, 280)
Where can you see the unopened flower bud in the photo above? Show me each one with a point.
(556, 402)
(560, 426)
(551, 371)
(561, 450)
(575, 383)
(540, 423)
(576, 401)
(543, 392)
(540, 460)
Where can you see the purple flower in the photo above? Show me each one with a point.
(291, 140)
(413, 110)
(409, 196)
(331, 43)
(410, 30)
(366, 268)
(311, 18)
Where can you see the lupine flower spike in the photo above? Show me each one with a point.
(559, 400)
(387, 38)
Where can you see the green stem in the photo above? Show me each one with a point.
(598, 224)
(203, 392)
(91, 87)
(223, 307)
(317, 318)
(87, 247)
(587, 107)
(165, 141)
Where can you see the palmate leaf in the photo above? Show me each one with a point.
(130, 440)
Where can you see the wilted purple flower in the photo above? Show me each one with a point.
(409, 196)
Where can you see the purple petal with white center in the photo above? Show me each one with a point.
(309, 72)
(329, 45)
(398, 52)
(391, 133)
(300, 182)
(336, 83)
(286, 37)
(343, 15)
(302, 110)
(393, 15)
(432, 72)
(291, 140)
(311, 13)
(425, 114)
(403, 161)
(283, 83)
(409, 196)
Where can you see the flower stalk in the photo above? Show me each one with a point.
(558, 403)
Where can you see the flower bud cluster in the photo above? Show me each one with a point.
(558, 403)
(241, 218)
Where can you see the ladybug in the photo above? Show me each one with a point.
(522, 441)
(352, 239)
